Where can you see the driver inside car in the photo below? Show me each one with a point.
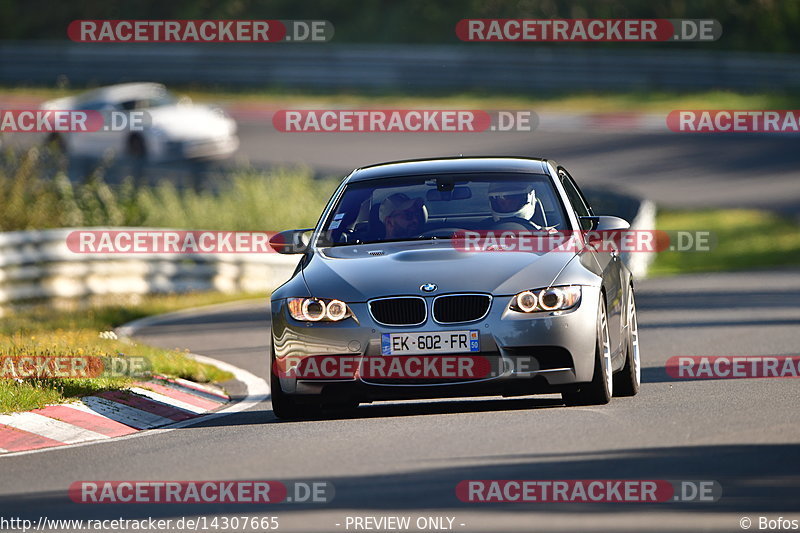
(403, 216)
(513, 202)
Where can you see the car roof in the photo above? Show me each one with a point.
(450, 165)
(122, 92)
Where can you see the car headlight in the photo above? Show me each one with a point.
(549, 299)
(318, 309)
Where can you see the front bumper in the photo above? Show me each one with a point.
(529, 353)
(201, 148)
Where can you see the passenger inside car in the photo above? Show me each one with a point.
(402, 216)
(437, 208)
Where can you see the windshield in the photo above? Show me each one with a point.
(435, 207)
(159, 99)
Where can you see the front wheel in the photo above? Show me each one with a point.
(136, 148)
(285, 406)
(601, 388)
(56, 145)
(628, 380)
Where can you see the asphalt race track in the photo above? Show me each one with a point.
(675, 169)
(405, 459)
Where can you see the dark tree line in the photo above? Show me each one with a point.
(754, 25)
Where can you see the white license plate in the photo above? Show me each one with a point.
(430, 342)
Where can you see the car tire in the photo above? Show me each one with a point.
(136, 148)
(628, 380)
(600, 390)
(284, 406)
(55, 143)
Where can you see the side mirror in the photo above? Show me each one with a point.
(293, 241)
(600, 226)
(605, 223)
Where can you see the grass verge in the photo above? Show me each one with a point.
(34, 196)
(47, 332)
(644, 101)
(742, 239)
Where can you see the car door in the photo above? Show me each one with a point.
(95, 143)
(609, 262)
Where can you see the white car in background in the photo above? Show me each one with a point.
(174, 128)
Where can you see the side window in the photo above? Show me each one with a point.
(575, 198)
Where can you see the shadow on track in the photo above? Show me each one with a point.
(771, 484)
(398, 409)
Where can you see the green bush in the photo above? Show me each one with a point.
(33, 197)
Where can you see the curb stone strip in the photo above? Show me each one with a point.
(106, 415)
(160, 398)
(143, 403)
(197, 388)
(16, 440)
(198, 395)
(193, 400)
(49, 427)
(85, 418)
(257, 393)
(124, 414)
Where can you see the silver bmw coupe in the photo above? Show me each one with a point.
(452, 278)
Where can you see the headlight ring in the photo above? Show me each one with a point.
(318, 309)
(547, 299)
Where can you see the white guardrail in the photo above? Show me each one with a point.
(645, 220)
(37, 265)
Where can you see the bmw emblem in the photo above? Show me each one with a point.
(428, 287)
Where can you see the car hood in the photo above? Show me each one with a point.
(353, 274)
(185, 122)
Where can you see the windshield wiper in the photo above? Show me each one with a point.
(403, 239)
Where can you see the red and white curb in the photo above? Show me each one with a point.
(621, 121)
(612, 122)
(156, 403)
